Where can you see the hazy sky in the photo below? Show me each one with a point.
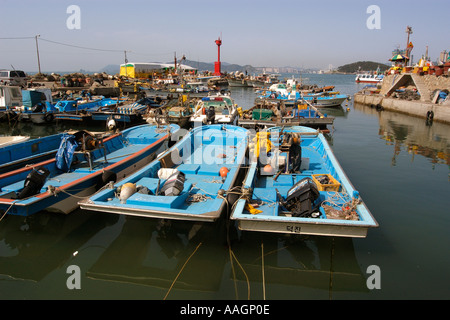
(310, 34)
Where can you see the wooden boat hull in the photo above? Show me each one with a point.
(200, 156)
(317, 159)
(125, 153)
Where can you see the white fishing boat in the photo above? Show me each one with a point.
(219, 108)
(369, 78)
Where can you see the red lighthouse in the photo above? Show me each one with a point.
(217, 63)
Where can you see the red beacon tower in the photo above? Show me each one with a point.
(217, 63)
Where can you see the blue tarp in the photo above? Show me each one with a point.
(64, 156)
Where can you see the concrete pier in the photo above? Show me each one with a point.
(425, 85)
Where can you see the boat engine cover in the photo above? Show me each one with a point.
(174, 184)
(34, 182)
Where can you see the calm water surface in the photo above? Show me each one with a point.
(399, 164)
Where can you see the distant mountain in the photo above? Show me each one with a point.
(362, 66)
(201, 66)
(111, 69)
(225, 67)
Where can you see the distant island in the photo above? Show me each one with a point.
(363, 66)
(228, 68)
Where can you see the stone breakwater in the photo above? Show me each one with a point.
(425, 85)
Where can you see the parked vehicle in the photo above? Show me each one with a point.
(13, 77)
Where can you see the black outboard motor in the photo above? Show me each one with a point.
(300, 198)
(34, 182)
(210, 115)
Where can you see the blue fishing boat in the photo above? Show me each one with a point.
(19, 154)
(82, 165)
(280, 92)
(81, 109)
(130, 113)
(271, 114)
(297, 186)
(189, 181)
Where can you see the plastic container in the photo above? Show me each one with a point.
(331, 185)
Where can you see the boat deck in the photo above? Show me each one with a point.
(270, 216)
(199, 200)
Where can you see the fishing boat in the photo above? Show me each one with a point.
(22, 153)
(9, 140)
(188, 182)
(296, 186)
(84, 163)
(368, 78)
(271, 114)
(179, 115)
(318, 100)
(219, 108)
(289, 95)
(129, 113)
(326, 99)
(80, 109)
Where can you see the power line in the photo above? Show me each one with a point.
(16, 38)
(80, 47)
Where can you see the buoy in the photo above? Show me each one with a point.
(268, 169)
(223, 172)
(111, 124)
(127, 190)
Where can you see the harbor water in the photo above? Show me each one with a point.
(398, 163)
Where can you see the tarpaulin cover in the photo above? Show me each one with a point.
(64, 156)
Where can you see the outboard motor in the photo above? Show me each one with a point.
(174, 184)
(300, 198)
(210, 115)
(34, 182)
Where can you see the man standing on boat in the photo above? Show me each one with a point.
(295, 154)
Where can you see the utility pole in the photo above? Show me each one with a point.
(126, 62)
(37, 51)
(408, 49)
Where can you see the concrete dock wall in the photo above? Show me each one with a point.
(425, 85)
(415, 108)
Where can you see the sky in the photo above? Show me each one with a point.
(308, 34)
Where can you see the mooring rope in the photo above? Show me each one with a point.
(231, 253)
(181, 270)
(262, 266)
(4, 214)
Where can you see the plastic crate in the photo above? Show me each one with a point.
(333, 184)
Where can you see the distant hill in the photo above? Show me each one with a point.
(363, 66)
(201, 66)
(111, 69)
(225, 67)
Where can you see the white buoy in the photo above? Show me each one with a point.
(111, 124)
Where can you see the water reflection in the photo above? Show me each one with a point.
(322, 263)
(412, 135)
(153, 252)
(186, 257)
(33, 247)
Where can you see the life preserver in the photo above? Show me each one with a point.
(48, 117)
